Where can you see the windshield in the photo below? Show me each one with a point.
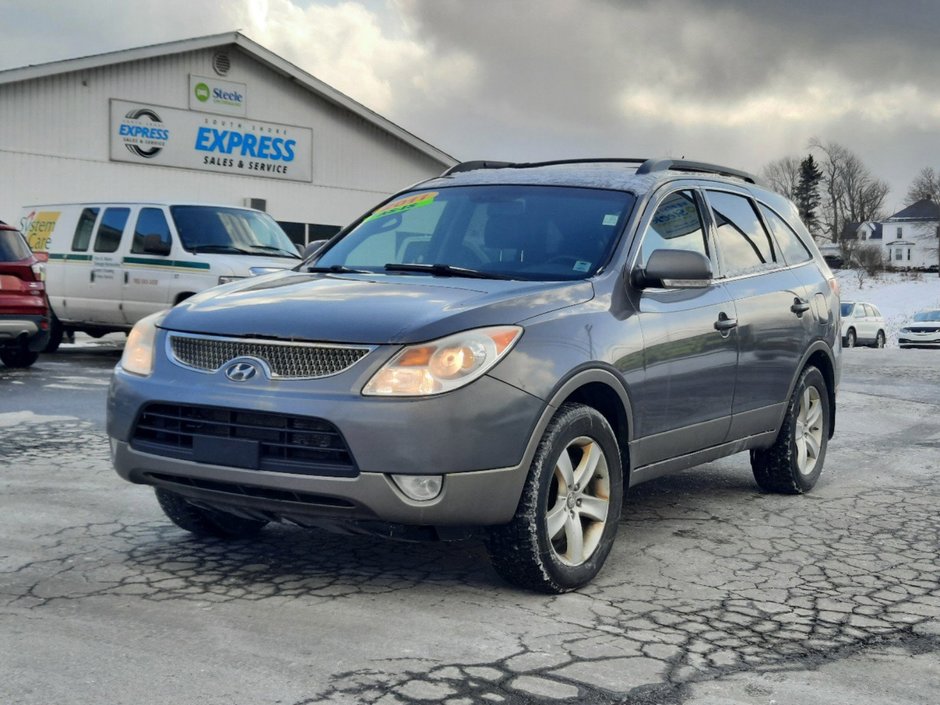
(847, 309)
(12, 246)
(516, 232)
(931, 316)
(231, 230)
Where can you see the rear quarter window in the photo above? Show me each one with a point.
(13, 247)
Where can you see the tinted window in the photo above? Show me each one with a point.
(522, 232)
(12, 246)
(151, 228)
(792, 248)
(742, 242)
(676, 225)
(110, 229)
(86, 222)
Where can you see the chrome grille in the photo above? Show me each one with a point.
(284, 360)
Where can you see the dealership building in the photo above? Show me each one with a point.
(217, 119)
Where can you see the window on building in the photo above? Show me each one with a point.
(908, 254)
(898, 254)
(899, 232)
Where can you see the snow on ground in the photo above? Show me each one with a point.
(17, 418)
(898, 295)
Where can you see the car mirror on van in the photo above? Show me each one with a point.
(313, 248)
(156, 245)
(674, 269)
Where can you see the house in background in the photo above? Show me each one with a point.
(910, 236)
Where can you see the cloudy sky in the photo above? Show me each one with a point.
(739, 82)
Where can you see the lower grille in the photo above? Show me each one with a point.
(244, 439)
(251, 491)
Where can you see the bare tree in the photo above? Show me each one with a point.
(925, 185)
(852, 194)
(783, 176)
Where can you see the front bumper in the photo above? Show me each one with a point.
(467, 498)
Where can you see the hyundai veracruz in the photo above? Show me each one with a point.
(502, 351)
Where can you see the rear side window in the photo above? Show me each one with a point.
(676, 225)
(875, 311)
(111, 228)
(151, 229)
(742, 242)
(13, 247)
(792, 248)
(86, 223)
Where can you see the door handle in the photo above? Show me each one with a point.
(799, 307)
(724, 323)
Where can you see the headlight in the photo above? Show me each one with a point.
(225, 280)
(442, 365)
(138, 351)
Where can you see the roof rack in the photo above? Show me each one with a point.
(647, 166)
(651, 165)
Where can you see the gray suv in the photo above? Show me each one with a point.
(500, 351)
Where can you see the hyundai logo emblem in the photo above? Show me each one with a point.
(241, 371)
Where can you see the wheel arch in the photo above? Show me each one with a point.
(820, 357)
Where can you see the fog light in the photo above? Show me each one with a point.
(419, 487)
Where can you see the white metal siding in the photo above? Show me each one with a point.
(54, 143)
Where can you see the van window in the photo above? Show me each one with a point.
(151, 226)
(111, 228)
(86, 221)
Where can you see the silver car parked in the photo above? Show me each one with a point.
(862, 324)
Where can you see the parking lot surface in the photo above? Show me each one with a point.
(714, 593)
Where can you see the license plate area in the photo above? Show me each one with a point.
(232, 452)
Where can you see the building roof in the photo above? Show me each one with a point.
(924, 209)
(243, 43)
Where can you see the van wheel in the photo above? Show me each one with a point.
(793, 463)
(55, 334)
(567, 517)
(203, 522)
(18, 357)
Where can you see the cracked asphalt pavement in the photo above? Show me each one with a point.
(714, 594)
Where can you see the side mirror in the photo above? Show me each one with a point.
(156, 245)
(313, 248)
(674, 269)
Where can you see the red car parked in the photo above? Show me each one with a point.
(24, 310)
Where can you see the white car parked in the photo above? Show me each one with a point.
(923, 331)
(862, 324)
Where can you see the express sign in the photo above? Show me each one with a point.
(182, 138)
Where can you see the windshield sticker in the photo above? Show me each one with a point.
(610, 219)
(582, 266)
(404, 204)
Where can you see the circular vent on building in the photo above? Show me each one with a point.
(221, 63)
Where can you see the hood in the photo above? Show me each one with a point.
(367, 309)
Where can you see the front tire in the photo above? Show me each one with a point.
(205, 523)
(567, 517)
(850, 338)
(793, 463)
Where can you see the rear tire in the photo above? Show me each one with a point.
(880, 339)
(18, 357)
(203, 522)
(567, 517)
(793, 463)
(850, 338)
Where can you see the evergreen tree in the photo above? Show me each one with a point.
(806, 194)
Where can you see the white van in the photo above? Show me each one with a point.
(110, 264)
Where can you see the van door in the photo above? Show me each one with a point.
(148, 267)
(105, 281)
(68, 269)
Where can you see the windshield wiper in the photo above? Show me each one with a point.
(269, 248)
(443, 270)
(219, 248)
(338, 269)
